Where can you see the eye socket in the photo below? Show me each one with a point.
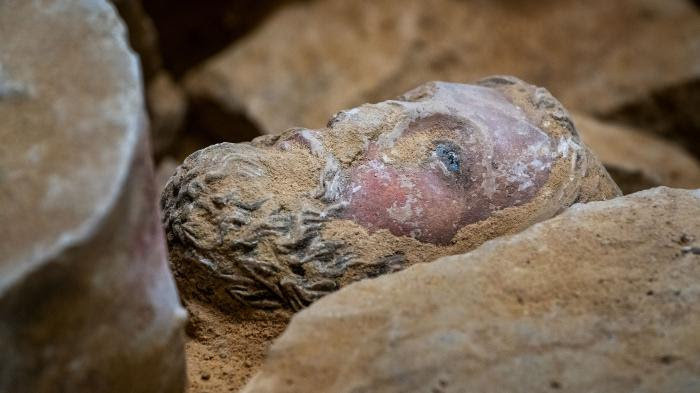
(449, 154)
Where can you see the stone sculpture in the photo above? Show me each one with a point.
(286, 219)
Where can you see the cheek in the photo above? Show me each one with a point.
(417, 203)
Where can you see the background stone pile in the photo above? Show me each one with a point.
(230, 71)
(233, 70)
(611, 287)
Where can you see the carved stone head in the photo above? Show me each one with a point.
(285, 219)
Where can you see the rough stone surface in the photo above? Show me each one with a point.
(603, 298)
(283, 220)
(224, 351)
(165, 99)
(87, 302)
(309, 59)
(638, 160)
(670, 111)
(191, 31)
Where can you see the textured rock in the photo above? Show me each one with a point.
(223, 351)
(87, 302)
(310, 58)
(670, 111)
(165, 99)
(191, 32)
(167, 108)
(603, 298)
(637, 160)
(283, 220)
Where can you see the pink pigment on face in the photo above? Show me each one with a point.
(406, 202)
(485, 156)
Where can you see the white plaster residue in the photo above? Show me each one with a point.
(521, 176)
(389, 139)
(525, 185)
(244, 161)
(563, 147)
(314, 144)
(12, 88)
(380, 169)
(330, 180)
(406, 182)
(35, 153)
(351, 112)
(376, 165)
(540, 148)
(488, 184)
(405, 212)
(538, 165)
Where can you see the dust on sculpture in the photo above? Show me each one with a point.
(286, 219)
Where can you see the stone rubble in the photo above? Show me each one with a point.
(311, 58)
(636, 159)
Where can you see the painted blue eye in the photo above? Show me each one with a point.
(449, 155)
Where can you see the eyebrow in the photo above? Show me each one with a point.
(438, 121)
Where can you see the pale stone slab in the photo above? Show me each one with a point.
(87, 302)
(602, 298)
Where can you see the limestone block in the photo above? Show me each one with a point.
(87, 301)
(602, 298)
(636, 159)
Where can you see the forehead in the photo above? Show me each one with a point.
(484, 115)
(467, 109)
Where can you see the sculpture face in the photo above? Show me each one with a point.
(431, 174)
(429, 178)
(284, 220)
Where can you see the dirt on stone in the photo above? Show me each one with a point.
(223, 350)
(602, 298)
